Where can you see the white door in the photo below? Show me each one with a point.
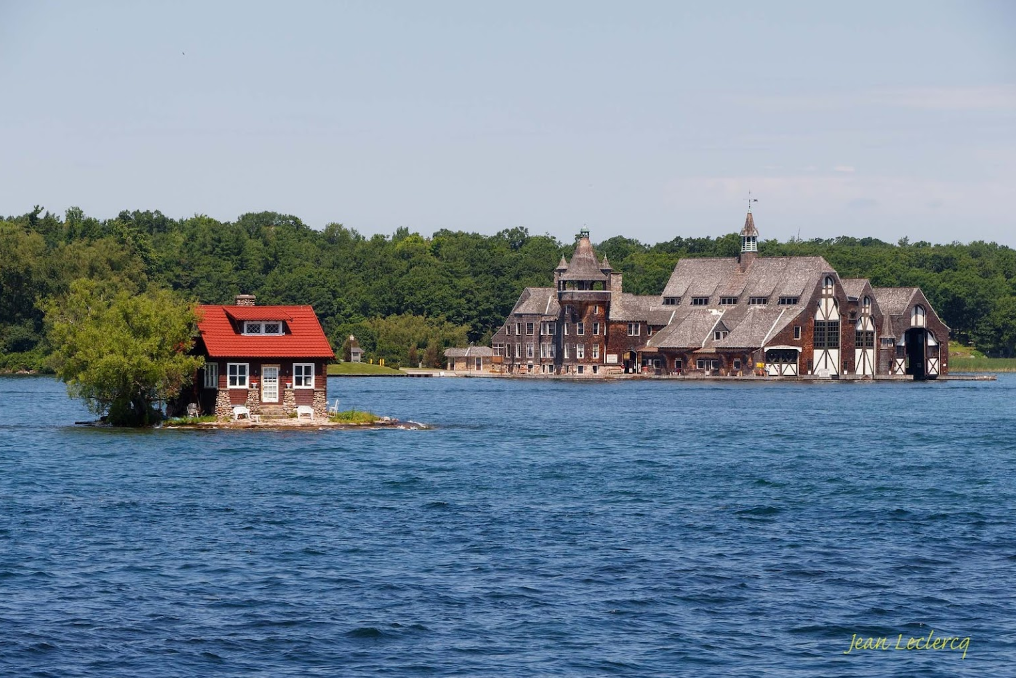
(270, 384)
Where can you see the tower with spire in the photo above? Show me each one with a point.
(749, 240)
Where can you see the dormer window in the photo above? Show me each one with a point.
(671, 301)
(700, 301)
(789, 301)
(728, 301)
(262, 327)
(758, 301)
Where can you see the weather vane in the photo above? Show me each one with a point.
(751, 200)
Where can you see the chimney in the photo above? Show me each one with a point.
(615, 282)
(245, 299)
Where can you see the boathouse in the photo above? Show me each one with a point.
(737, 316)
(270, 359)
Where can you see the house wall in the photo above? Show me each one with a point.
(289, 397)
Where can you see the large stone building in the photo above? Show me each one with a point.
(740, 316)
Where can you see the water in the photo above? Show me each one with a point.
(544, 528)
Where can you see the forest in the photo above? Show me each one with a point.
(406, 296)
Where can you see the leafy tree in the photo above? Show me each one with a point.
(122, 353)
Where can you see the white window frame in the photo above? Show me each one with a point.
(567, 352)
(596, 351)
(580, 328)
(238, 375)
(530, 328)
(634, 329)
(596, 328)
(262, 326)
(211, 375)
(300, 375)
(529, 350)
(518, 350)
(580, 351)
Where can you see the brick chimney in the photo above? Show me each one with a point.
(245, 299)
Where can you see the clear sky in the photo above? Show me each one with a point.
(644, 119)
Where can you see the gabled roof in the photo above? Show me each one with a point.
(625, 307)
(853, 286)
(583, 265)
(894, 300)
(691, 330)
(749, 226)
(222, 335)
(765, 277)
(537, 301)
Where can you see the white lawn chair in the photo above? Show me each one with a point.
(192, 409)
(240, 411)
(334, 409)
(305, 409)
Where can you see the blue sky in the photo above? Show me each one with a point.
(646, 119)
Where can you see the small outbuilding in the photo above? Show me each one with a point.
(269, 359)
(471, 359)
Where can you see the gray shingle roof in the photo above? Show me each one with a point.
(691, 329)
(771, 277)
(627, 307)
(854, 287)
(893, 300)
(469, 352)
(537, 301)
(583, 265)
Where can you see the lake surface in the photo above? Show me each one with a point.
(543, 529)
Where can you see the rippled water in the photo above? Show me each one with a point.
(544, 528)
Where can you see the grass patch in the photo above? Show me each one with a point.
(362, 370)
(969, 359)
(176, 421)
(353, 417)
(981, 364)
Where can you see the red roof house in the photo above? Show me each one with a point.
(269, 359)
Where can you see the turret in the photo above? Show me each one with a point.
(749, 241)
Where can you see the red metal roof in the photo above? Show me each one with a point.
(303, 336)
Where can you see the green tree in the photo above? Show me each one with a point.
(122, 353)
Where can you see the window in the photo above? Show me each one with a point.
(758, 301)
(580, 329)
(737, 363)
(596, 310)
(596, 351)
(720, 334)
(566, 329)
(917, 316)
(827, 285)
(888, 342)
(789, 301)
(700, 301)
(518, 350)
(529, 349)
(866, 303)
(303, 375)
(671, 301)
(529, 329)
(781, 356)
(211, 375)
(633, 329)
(678, 364)
(499, 349)
(518, 328)
(508, 329)
(596, 328)
(864, 339)
(797, 331)
(567, 352)
(544, 351)
(548, 328)
(580, 351)
(827, 334)
(728, 301)
(706, 364)
(237, 373)
(553, 350)
(256, 327)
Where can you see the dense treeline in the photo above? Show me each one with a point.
(408, 297)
